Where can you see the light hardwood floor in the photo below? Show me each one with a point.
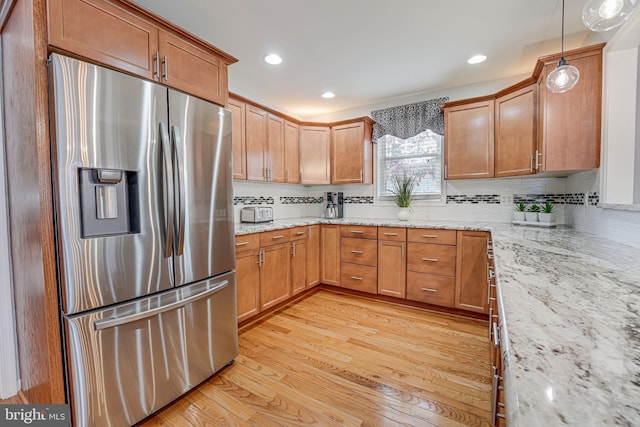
(341, 360)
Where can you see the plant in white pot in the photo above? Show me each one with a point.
(546, 214)
(521, 208)
(403, 186)
(531, 214)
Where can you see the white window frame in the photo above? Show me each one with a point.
(419, 200)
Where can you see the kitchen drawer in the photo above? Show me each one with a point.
(359, 251)
(432, 289)
(398, 234)
(362, 232)
(247, 242)
(359, 278)
(298, 233)
(430, 235)
(268, 238)
(433, 259)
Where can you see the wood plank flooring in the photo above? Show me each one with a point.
(341, 360)
(14, 400)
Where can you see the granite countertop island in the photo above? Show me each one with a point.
(570, 320)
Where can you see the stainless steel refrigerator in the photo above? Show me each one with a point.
(144, 221)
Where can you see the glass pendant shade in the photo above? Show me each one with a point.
(603, 15)
(563, 78)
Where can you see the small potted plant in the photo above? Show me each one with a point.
(546, 214)
(521, 208)
(531, 214)
(403, 186)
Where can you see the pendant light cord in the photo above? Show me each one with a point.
(562, 38)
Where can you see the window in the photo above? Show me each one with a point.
(420, 155)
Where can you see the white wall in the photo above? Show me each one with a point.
(8, 349)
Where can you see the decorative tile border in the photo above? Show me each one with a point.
(359, 200)
(574, 199)
(300, 200)
(252, 200)
(594, 198)
(489, 199)
(558, 199)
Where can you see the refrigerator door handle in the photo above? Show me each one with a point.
(168, 178)
(180, 187)
(117, 321)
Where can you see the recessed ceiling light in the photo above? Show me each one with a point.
(476, 59)
(328, 95)
(273, 59)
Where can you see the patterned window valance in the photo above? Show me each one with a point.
(409, 120)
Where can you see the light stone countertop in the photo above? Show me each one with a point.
(570, 309)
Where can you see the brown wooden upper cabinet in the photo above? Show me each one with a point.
(291, 152)
(315, 154)
(469, 142)
(122, 36)
(239, 146)
(352, 152)
(535, 130)
(256, 122)
(570, 122)
(516, 132)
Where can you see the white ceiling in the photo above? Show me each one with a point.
(371, 50)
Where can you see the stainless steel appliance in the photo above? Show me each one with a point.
(256, 214)
(334, 206)
(144, 221)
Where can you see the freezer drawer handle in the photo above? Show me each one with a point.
(117, 321)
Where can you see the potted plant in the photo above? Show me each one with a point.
(521, 208)
(546, 214)
(531, 214)
(403, 186)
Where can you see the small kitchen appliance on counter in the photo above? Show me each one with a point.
(334, 205)
(256, 214)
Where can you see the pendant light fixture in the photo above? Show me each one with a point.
(603, 15)
(565, 76)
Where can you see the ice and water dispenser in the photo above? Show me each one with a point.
(108, 202)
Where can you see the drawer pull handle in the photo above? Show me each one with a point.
(353, 251)
(356, 278)
(390, 234)
(430, 259)
(242, 243)
(430, 236)
(300, 233)
(356, 231)
(277, 237)
(429, 290)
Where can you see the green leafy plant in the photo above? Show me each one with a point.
(547, 207)
(533, 208)
(521, 207)
(403, 186)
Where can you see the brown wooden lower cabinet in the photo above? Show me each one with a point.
(359, 278)
(392, 268)
(472, 271)
(430, 288)
(275, 275)
(330, 254)
(298, 266)
(313, 255)
(247, 284)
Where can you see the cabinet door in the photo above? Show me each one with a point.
(392, 268)
(256, 139)
(314, 154)
(237, 109)
(516, 132)
(571, 122)
(468, 140)
(275, 148)
(313, 256)
(347, 153)
(330, 254)
(298, 266)
(103, 32)
(247, 284)
(275, 275)
(471, 271)
(291, 153)
(192, 69)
